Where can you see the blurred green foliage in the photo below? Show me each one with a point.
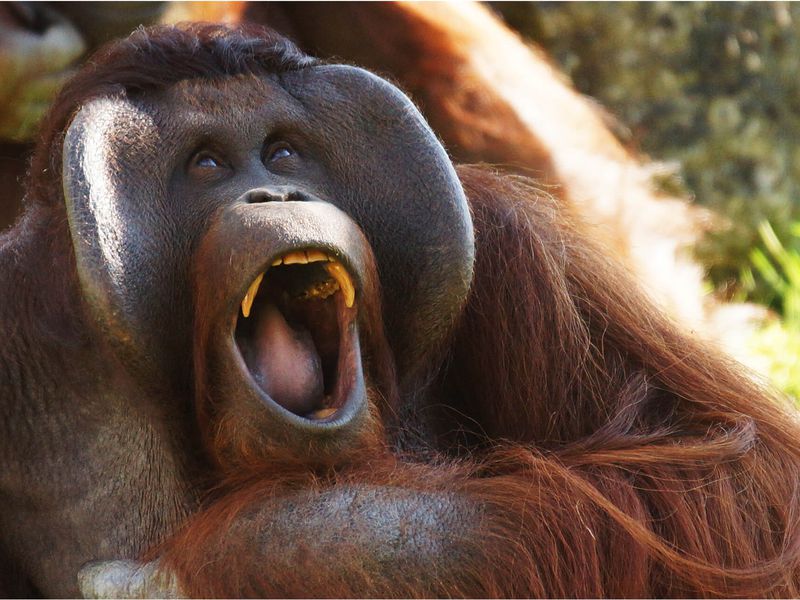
(778, 340)
(779, 268)
(779, 346)
(712, 87)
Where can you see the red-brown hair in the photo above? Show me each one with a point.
(608, 453)
(612, 454)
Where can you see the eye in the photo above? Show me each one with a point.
(278, 151)
(206, 160)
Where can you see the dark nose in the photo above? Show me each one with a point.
(258, 195)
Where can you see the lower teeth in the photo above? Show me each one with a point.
(322, 413)
(320, 290)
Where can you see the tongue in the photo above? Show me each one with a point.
(287, 363)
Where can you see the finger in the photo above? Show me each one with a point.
(22, 50)
(59, 46)
(127, 579)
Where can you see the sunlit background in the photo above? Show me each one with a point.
(713, 89)
(705, 98)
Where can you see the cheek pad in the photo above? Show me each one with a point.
(114, 170)
(396, 181)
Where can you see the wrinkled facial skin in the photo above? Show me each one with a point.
(178, 201)
(175, 203)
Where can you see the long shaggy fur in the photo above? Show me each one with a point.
(618, 456)
(610, 454)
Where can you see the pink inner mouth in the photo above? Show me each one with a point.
(292, 342)
(287, 365)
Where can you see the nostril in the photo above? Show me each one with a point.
(259, 195)
(262, 195)
(295, 196)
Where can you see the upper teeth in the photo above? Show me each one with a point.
(342, 277)
(247, 302)
(334, 268)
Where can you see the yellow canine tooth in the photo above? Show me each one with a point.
(295, 258)
(316, 256)
(342, 277)
(247, 302)
(277, 261)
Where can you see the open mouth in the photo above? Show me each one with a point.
(297, 333)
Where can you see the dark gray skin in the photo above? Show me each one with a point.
(99, 446)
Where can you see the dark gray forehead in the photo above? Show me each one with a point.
(328, 100)
(240, 105)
